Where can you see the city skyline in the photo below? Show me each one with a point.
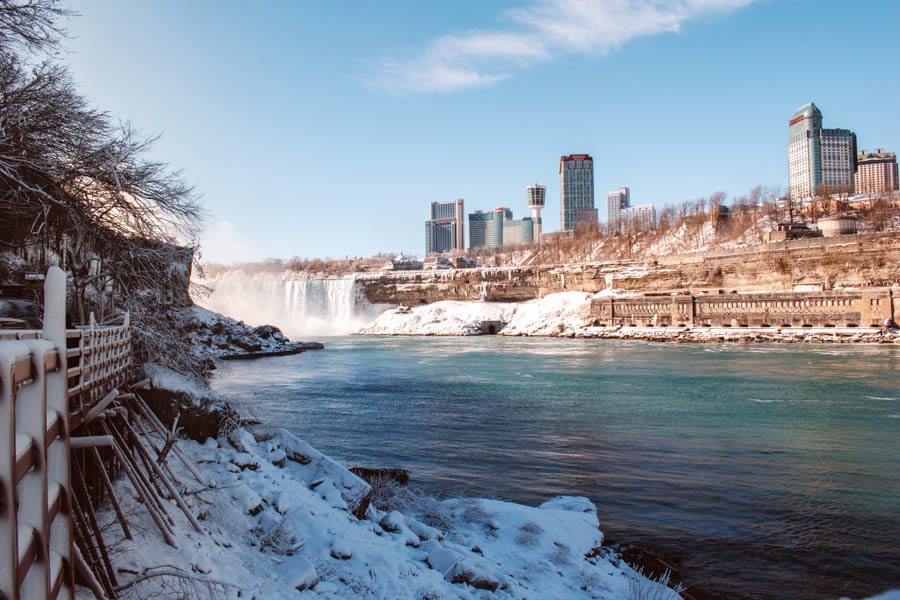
(275, 120)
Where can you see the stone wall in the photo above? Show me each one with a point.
(843, 308)
(817, 263)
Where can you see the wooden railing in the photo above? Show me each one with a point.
(50, 381)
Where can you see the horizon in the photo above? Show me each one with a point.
(341, 129)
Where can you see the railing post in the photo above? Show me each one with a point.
(9, 552)
(58, 474)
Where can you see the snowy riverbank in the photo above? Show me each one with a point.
(567, 314)
(281, 520)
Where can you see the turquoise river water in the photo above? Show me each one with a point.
(757, 471)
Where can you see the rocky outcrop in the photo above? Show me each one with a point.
(821, 263)
(201, 412)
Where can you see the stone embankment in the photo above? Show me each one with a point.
(821, 282)
(872, 307)
(820, 263)
(695, 335)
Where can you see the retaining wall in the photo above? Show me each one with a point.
(843, 308)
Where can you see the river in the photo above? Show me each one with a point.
(755, 470)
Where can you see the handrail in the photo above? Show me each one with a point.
(50, 380)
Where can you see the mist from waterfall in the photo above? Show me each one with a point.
(299, 307)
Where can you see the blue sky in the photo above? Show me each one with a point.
(326, 129)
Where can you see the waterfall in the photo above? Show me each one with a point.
(299, 307)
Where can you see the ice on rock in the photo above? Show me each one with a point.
(306, 463)
(278, 456)
(245, 461)
(397, 523)
(456, 567)
(475, 572)
(341, 548)
(439, 557)
(301, 573)
(284, 502)
(247, 498)
(392, 521)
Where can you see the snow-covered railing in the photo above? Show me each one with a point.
(99, 360)
(36, 559)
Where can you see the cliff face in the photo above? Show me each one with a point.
(822, 263)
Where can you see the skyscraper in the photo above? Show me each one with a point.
(445, 228)
(819, 157)
(576, 191)
(617, 201)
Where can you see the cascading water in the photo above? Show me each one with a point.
(299, 307)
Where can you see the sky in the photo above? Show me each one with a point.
(325, 129)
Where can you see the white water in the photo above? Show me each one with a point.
(299, 307)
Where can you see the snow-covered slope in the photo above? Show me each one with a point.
(279, 520)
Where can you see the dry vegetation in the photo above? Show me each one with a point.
(705, 224)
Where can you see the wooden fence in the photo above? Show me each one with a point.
(50, 381)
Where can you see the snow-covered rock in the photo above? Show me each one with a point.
(272, 533)
(553, 314)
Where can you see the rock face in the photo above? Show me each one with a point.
(201, 412)
(823, 263)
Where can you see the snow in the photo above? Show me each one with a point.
(447, 317)
(552, 314)
(567, 314)
(273, 532)
(283, 520)
(546, 316)
(166, 379)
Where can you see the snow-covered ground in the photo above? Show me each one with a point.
(281, 520)
(551, 315)
(567, 314)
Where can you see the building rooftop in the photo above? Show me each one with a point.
(876, 154)
(807, 111)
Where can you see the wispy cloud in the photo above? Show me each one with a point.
(541, 31)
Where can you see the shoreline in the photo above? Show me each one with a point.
(681, 335)
(299, 348)
(281, 519)
(653, 556)
(569, 315)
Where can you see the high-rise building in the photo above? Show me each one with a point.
(518, 231)
(486, 228)
(617, 201)
(620, 214)
(536, 196)
(641, 217)
(576, 191)
(445, 228)
(876, 172)
(498, 228)
(819, 157)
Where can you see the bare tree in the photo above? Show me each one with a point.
(32, 25)
(80, 188)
